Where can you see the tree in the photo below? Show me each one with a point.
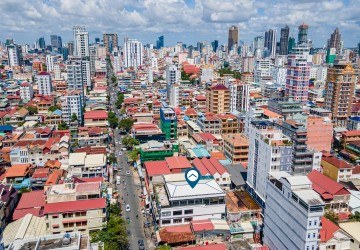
(112, 159)
(53, 108)
(113, 120)
(150, 106)
(355, 217)
(126, 124)
(114, 209)
(2, 66)
(163, 248)
(129, 141)
(74, 117)
(332, 216)
(113, 79)
(32, 110)
(63, 126)
(134, 154)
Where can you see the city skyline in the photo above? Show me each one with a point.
(197, 21)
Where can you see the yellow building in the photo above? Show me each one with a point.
(218, 99)
(338, 170)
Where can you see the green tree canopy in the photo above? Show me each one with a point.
(74, 117)
(63, 126)
(112, 159)
(53, 108)
(332, 216)
(126, 124)
(113, 120)
(129, 141)
(32, 111)
(134, 154)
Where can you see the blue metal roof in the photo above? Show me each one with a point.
(6, 128)
(355, 118)
(200, 151)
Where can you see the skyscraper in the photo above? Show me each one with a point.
(215, 45)
(303, 32)
(233, 37)
(13, 55)
(160, 42)
(54, 41)
(82, 44)
(258, 46)
(335, 41)
(110, 42)
(59, 42)
(297, 80)
(65, 53)
(339, 89)
(284, 40)
(42, 44)
(172, 77)
(270, 42)
(77, 29)
(291, 44)
(71, 48)
(133, 53)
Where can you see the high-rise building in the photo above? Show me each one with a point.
(298, 76)
(284, 40)
(168, 123)
(303, 32)
(292, 217)
(269, 151)
(259, 46)
(335, 41)
(50, 60)
(44, 83)
(233, 38)
(270, 43)
(75, 77)
(160, 42)
(72, 103)
(133, 53)
(218, 99)
(82, 44)
(59, 42)
(172, 77)
(41, 42)
(92, 59)
(71, 48)
(175, 95)
(9, 41)
(54, 41)
(65, 53)
(339, 89)
(76, 29)
(26, 91)
(110, 41)
(199, 46)
(13, 55)
(262, 69)
(215, 45)
(291, 44)
(239, 95)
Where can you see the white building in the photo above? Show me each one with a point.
(172, 77)
(78, 76)
(77, 29)
(247, 64)
(117, 61)
(293, 213)
(175, 95)
(92, 52)
(86, 73)
(133, 53)
(180, 204)
(13, 55)
(26, 91)
(43, 80)
(150, 75)
(50, 61)
(72, 103)
(262, 69)
(207, 73)
(239, 95)
(318, 72)
(154, 63)
(57, 71)
(278, 75)
(269, 151)
(82, 44)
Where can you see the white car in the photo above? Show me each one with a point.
(116, 141)
(127, 208)
(120, 153)
(128, 173)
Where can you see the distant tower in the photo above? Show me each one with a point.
(42, 44)
(77, 29)
(335, 41)
(160, 42)
(270, 42)
(303, 32)
(110, 42)
(284, 40)
(291, 44)
(233, 37)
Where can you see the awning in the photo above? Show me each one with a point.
(54, 215)
(55, 225)
(73, 221)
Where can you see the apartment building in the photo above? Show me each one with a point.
(236, 147)
(292, 218)
(218, 99)
(44, 83)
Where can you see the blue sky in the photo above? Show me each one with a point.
(188, 21)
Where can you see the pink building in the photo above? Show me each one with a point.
(319, 133)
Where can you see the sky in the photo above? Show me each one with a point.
(188, 21)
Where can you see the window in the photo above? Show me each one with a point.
(189, 211)
(77, 214)
(164, 222)
(312, 247)
(165, 214)
(315, 222)
(179, 212)
(176, 221)
(68, 215)
(308, 236)
(307, 248)
(187, 219)
(310, 223)
(314, 235)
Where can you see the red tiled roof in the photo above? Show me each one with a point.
(200, 98)
(17, 170)
(356, 170)
(18, 214)
(94, 179)
(201, 225)
(207, 136)
(43, 73)
(96, 114)
(52, 179)
(325, 186)
(176, 234)
(218, 166)
(351, 133)
(336, 162)
(25, 84)
(178, 162)
(199, 165)
(87, 186)
(328, 229)
(219, 87)
(156, 168)
(220, 246)
(81, 205)
(31, 199)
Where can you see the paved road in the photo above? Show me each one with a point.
(129, 189)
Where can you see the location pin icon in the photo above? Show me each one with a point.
(192, 176)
